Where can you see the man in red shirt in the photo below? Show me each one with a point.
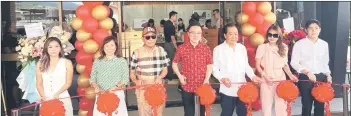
(196, 68)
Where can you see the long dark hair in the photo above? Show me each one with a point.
(279, 43)
(106, 40)
(45, 58)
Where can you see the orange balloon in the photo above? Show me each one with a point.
(247, 29)
(83, 81)
(264, 7)
(80, 68)
(90, 93)
(77, 23)
(100, 12)
(106, 24)
(90, 46)
(256, 39)
(270, 17)
(242, 18)
(82, 35)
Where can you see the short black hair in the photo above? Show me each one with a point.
(195, 23)
(312, 21)
(215, 10)
(225, 28)
(180, 19)
(195, 16)
(208, 21)
(162, 22)
(150, 21)
(172, 13)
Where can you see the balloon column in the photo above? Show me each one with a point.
(93, 24)
(255, 20)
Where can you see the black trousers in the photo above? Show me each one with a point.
(189, 104)
(228, 104)
(306, 96)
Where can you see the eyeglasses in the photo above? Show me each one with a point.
(273, 35)
(149, 37)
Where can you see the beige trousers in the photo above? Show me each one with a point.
(268, 96)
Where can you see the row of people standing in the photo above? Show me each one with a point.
(229, 64)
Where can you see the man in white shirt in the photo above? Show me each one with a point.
(230, 64)
(310, 58)
(217, 21)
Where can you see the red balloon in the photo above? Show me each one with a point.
(99, 36)
(79, 45)
(90, 25)
(251, 53)
(257, 3)
(256, 19)
(83, 12)
(86, 104)
(90, 113)
(81, 91)
(247, 42)
(263, 28)
(249, 8)
(91, 5)
(88, 68)
(84, 58)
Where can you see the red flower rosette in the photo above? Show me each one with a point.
(52, 108)
(290, 95)
(107, 103)
(248, 93)
(207, 96)
(323, 92)
(155, 95)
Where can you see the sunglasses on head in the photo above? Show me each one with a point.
(273, 35)
(149, 37)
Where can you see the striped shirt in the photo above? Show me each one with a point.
(107, 73)
(148, 65)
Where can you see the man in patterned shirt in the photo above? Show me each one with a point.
(196, 68)
(148, 66)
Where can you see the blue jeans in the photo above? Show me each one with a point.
(228, 104)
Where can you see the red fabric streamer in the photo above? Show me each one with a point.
(107, 102)
(155, 95)
(207, 96)
(248, 93)
(323, 92)
(288, 96)
(52, 108)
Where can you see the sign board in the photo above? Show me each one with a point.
(34, 30)
(288, 24)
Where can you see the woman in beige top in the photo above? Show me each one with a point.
(271, 60)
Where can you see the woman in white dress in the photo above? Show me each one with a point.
(110, 72)
(54, 74)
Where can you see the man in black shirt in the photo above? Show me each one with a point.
(171, 43)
